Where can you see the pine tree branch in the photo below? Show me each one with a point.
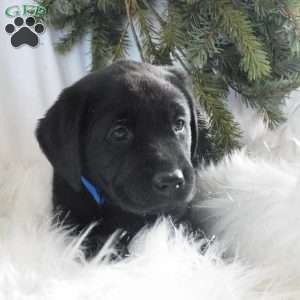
(129, 5)
(210, 92)
(100, 49)
(146, 29)
(156, 14)
(120, 49)
(235, 24)
(163, 24)
(201, 42)
(106, 6)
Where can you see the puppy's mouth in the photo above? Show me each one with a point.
(160, 209)
(151, 205)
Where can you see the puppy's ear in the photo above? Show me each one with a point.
(58, 135)
(180, 79)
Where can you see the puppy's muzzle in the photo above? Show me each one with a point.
(168, 183)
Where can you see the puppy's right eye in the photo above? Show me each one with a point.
(119, 133)
(179, 125)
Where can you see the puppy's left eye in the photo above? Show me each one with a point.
(179, 125)
(119, 133)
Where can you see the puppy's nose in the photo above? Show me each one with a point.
(168, 183)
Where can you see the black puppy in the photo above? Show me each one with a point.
(123, 145)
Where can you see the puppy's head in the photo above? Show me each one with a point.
(132, 131)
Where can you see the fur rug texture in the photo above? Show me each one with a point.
(251, 199)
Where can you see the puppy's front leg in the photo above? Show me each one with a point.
(114, 246)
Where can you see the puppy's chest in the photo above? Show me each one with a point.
(80, 210)
(113, 219)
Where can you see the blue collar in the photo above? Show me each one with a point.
(92, 190)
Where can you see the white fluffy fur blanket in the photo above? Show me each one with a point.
(252, 199)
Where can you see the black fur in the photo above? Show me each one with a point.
(121, 129)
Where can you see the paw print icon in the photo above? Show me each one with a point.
(25, 33)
